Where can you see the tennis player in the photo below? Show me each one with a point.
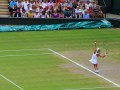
(94, 59)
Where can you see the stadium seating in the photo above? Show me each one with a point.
(4, 12)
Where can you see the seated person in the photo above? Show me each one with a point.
(17, 13)
(11, 6)
(97, 12)
(61, 15)
(36, 14)
(74, 15)
(86, 15)
(24, 14)
(78, 12)
(55, 14)
(68, 14)
(30, 13)
(14, 10)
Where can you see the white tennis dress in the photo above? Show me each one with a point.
(94, 59)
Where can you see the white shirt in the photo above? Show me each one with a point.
(88, 5)
(25, 5)
(44, 4)
(77, 11)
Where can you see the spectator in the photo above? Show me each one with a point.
(33, 8)
(74, 4)
(74, 15)
(36, 14)
(17, 13)
(80, 4)
(25, 5)
(48, 15)
(21, 9)
(59, 10)
(83, 10)
(43, 15)
(32, 4)
(93, 4)
(27, 9)
(97, 12)
(87, 4)
(24, 14)
(90, 11)
(55, 14)
(69, 5)
(59, 1)
(68, 14)
(44, 4)
(50, 3)
(38, 3)
(40, 10)
(30, 13)
(86, 15)
(11, 6)
(56, 4)
(14, 10)
(77, 12)
(63, 5)
(61, 15)
(12, 3)
(19, 4)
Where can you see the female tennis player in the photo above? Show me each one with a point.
(94, 59)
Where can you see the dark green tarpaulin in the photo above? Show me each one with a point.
(71, 25)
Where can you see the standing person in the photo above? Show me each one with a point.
(94, 59)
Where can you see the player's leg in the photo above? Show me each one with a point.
(96, 68)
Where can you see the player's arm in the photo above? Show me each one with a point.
(101, 56)
(95, 48)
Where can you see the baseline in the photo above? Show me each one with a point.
(21, 50)
(92, 88)
(25, 55)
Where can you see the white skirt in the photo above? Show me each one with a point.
(94, 61)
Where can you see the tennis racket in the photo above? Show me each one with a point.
(105, 47)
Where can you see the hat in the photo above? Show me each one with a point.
(98, 49)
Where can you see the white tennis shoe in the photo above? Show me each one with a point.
(96, 71)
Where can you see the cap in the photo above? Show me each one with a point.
(98, 49)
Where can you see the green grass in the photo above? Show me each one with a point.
(43, 72)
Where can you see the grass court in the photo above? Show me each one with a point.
(41, 60)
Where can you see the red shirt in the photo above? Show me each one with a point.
(59, 1)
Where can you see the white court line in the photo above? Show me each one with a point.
(92, 88)
(19, 55)
(25, 55)
(21, 50)
(117, 85)
(11, 82)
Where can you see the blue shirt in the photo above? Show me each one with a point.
(12, 3)
(86, 16)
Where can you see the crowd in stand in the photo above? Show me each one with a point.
(55, 9)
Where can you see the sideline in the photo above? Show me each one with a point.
(115, 84)
(11, 82)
